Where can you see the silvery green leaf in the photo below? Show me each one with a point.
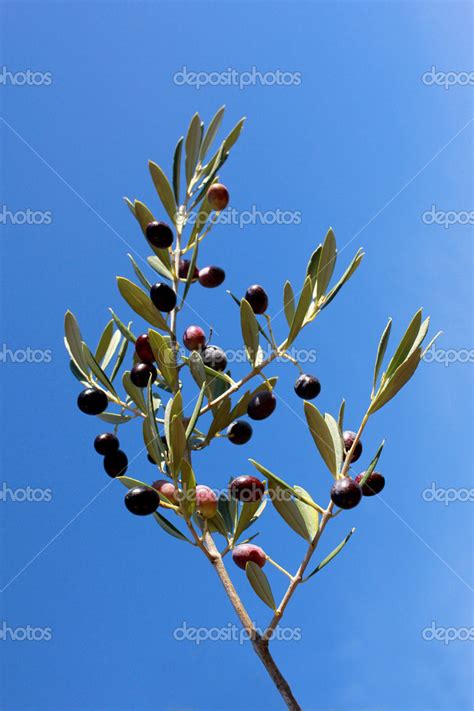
(188, 481)
(177, 168)
(289, 302)
(144, 217)
(156, 264)
(130, 206)
(309, 513)
(372, 464)
(141, 277)
(220, 420)
(73, 341)
(327, 262)
(381, 350)
(191, 269)
(405, 345)
(170, 528)
(177, 443)
(211, 133)
(276, 481)
(396, 382)
(97, 370)
(78, 374)
(289, 511)
(260, 329)
(249, 326)
(304, 303)
(120, 358)
(141, 303)
(164, 357)
(197, 408)
(421, 335)
(163, 188)
(321, 435)
(109, 354)
(114, 419)
(249, 512)
(336, 439)
(104, 341)
(340, 419)
(345, 277)
(201, 218)
(135, 393)
(332, 555)
(258, 580)
(124, 330)
(192, 144)
(313, 264)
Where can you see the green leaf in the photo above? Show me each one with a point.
(170, 528)
(164, 357)
(177, 443)
(405, 345)
(221, 418)
(309, 514)
(197, 409)
(233, 136)
(289, 303)
(135, 393)
(141, 277)
(163, 188)
(340, 418)
(336, 435)
(104, 341)
(326, 265)
(345, 277)
(249, 326)
(97, 370)
(258, 580)
(289, 511)
(151, 435)
(130, 206)
(124, 330)
(120, 358)
(191, 269)
(401, 376)
(177, 168)
(174, 408)
(313, 264)
(114, 419)
(249, 512)
(228, 510)
(201, 218)
(304, 303)
(192, 144)
(189, 488)
(381, 351)
(156, 264)
(421, 335)
(321, 435)
(276, 481)
(73, 341)
(330, 556)
(109, 354)
(141, 303)
(211, 133)
(372, 464)
(144, 217)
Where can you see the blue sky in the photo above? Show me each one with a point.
(361, 143)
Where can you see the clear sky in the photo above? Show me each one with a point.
(359, 142)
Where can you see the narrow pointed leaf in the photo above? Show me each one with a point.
(101, 376)
(276, 481)
(321, 435)
(258, 580)
(211, 133)
(163, 188)
(197, 408)
(249, 512)
(144, 217)
(135, 393)
(289, 303)
(249, 326)
(164, 357)
(372, 464)
(74, 341)
(381, 350)
(120, 358)
(141, 277)
(177, 169)
(156, 264)
(124, 330)
(104, 341)
(192, 144)
(336, 439)
(345, 277)
(309, 514)
(141, 303)
(170, 528)
(327, 262)
(405, 344)
(304, 303)
(332, 555)
(288, 510)
(401, 376)
(340, 418)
